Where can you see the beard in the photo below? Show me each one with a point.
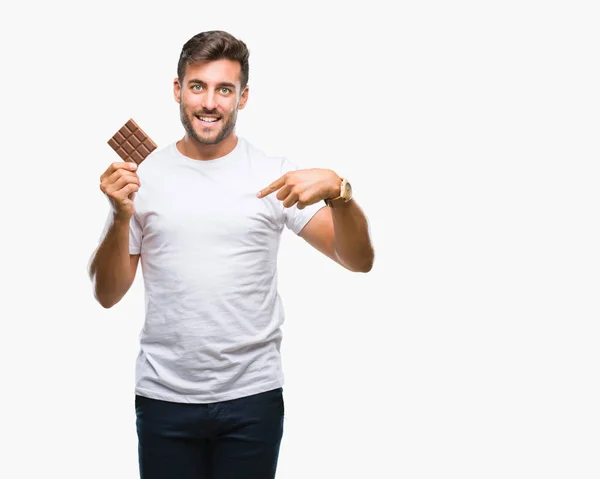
(211, 137)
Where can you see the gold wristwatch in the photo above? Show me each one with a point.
(345, 194)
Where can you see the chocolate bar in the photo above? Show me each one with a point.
(131, 143)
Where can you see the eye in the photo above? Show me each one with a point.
(196, 87)
(225, 90)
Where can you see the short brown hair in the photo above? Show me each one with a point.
(211, 46)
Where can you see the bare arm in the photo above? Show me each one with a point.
(352, 241)
(342, 233)
(112, 269)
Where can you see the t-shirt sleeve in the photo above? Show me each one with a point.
(296, 219)
(135, 232)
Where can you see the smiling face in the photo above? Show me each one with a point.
(209, 96)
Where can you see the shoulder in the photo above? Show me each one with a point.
(156, 161)
(274, 164)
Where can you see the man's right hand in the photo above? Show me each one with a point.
(119, 183)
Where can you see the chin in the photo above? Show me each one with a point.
(205, 139)
(209, 140)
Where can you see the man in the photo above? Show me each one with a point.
(205, 215)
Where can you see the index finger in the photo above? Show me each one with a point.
(272, 187)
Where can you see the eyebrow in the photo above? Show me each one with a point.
(219, 85)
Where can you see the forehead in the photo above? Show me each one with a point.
(213, 72)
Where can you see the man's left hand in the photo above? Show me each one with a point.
(304, 187)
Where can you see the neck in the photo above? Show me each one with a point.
(189, 147)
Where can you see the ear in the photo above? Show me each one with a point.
(177, 89)
(243, 98)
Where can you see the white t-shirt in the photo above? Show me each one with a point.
(208, 251)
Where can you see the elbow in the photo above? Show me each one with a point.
(106, 293)
(106, 305)
(105, 302)
(369, 260)
(365, 265)
(104, 298)
(365, 268)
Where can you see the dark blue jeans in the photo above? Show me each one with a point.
(236, 439)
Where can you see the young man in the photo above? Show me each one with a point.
(205, 215)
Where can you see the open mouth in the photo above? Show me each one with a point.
(208, 121)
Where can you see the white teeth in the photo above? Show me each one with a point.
(208, 120)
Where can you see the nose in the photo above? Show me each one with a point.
(209, 102)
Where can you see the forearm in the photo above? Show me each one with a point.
(110, 269)
(351, 237)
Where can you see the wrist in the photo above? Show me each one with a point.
(334, 186)
(119, 218)
(342, 195)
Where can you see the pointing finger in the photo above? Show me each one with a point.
(272, 187)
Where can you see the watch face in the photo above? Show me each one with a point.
(348, 190)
